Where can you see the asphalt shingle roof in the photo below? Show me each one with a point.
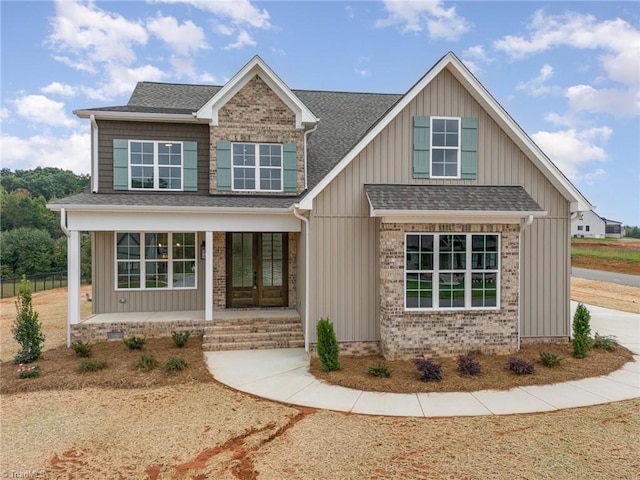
(471, 198)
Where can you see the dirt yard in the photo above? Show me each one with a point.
(608, 295)
(200, 429)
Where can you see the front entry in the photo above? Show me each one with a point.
(257, 270)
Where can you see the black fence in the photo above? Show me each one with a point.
(41, 281)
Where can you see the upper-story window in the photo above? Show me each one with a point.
(155, 165)
(257, 167)
(445, 147)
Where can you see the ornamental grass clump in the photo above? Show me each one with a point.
(581, 331)
(82, 349)
(328, 350)
(174, 364)
(605, 342)
(92, 365)
(549, 359)
(146, 361)
(26, 329)
(429, 371)
(134, 343)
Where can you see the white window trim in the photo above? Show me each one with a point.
(257, 167)
(458, 148)
(156, 166)
(436, 271)
(142, 261)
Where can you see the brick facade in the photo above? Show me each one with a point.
(445, 333)
(97, 332)
(256, 114)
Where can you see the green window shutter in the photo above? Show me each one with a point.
(190, 166)
(469, 148)
(223, 164)
(421, 144)
(120, 164)
(290, 167)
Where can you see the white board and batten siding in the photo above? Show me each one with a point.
(344, 238)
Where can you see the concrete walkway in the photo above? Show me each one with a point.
(282, 375)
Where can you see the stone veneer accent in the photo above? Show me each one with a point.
(407, 334)
(220, 270)
(256, 114)
(95, 332)
(352, 348)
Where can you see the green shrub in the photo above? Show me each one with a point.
(28, 371)
(520, 366)
(605, 342)
(549, 359)
(26, 329)
(468, 365)
(429, 371)
(328, 350)
(581, 331)
(146, 361)
(380, 369)
(180, 338)
(175, 363)
(91, 365)
(82, 349)
(134, 343)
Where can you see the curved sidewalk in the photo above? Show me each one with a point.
(282, 375)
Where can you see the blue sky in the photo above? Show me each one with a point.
(568, 72)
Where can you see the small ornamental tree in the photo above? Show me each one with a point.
(328, 350)
(26, 330)
(581, 331)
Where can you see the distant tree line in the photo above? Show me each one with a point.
(632, 232)
(31, 240)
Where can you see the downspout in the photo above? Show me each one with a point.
(94, 154)
(296, 212)
(305, 155)
(523, 226)
(65, 230)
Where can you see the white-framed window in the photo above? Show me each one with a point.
(580, 227)
(155, 165)
(256, 167)
(155, 260)
(452, 271)
(445, 147)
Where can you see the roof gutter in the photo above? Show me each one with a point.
(175, 209)
(138, 116)
(305, 220)
(454, 213)
(94, 153)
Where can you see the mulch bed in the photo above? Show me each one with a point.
(494, 375)
(59, 367)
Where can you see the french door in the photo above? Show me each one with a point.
(257, 270)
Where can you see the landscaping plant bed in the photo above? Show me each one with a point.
(59, 367)
(495, 374)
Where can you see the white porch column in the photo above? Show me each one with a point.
(208, 276)
(73, 281)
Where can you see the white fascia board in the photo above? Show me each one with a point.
(495, 110)
(256, 66)
(459, 217)
(109, 221)
(138, 116)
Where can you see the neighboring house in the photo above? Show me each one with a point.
(588, 225)
(612, 228)
(427, 222)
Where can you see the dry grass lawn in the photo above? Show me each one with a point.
(187, 426)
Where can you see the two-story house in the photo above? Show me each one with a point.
(427, 222)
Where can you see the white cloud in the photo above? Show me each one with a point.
(40, 109)
(94, 36)
(591, 178)
(570, 149)
(476, 52)
(69, 153)
(122, 80)
(536, 86)
(4, 113)
(223, 29)
(57, 88)
(619, 39)
(620, 103)
(244, 40)
(416, 16)
(238, 11)
(183, 39)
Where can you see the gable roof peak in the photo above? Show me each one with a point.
(257, 66)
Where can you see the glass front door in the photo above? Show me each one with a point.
(257, 270)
